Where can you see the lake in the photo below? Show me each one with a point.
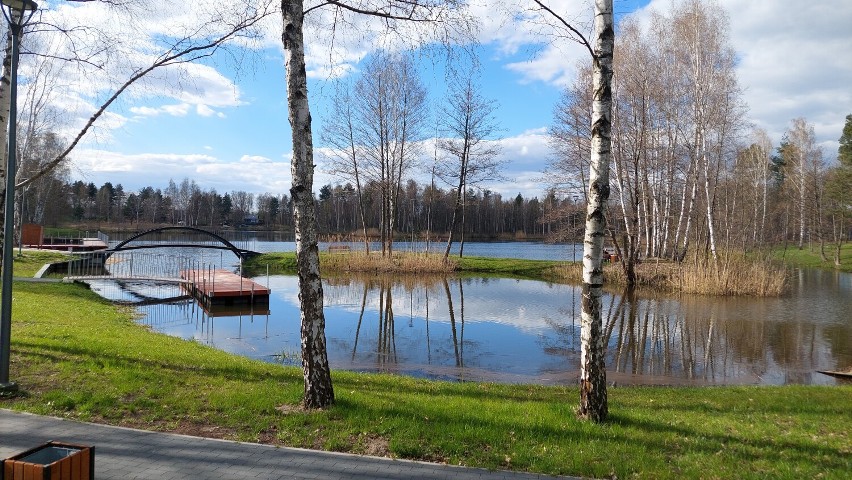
(527, 331)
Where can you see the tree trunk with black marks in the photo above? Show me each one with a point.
(317, 374)
(593, 395)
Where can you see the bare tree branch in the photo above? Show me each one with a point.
(577, 37)
(170, 57)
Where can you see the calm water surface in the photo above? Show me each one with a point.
(528, 331)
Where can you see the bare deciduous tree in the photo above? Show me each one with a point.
(390, 104)
(469, 128)
(802, 158)
(347, 155)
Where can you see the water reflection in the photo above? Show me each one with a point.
(527, 331)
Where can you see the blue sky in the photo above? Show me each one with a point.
(227, 128)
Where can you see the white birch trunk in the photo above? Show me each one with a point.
(689, 208)
(802, 191)
(708, 197)
(593, 395)
(765, 184)
(685, 213)
(317, 375)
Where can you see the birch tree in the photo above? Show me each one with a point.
(570, 136)
(751, 171)
(347, 155)
(593, 394)
(441, 21)
(390, 108)
(713, 95)
(800, 154)
(676, 118)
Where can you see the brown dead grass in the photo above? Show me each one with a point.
(732, 275)
(394, 263)
(373, 445)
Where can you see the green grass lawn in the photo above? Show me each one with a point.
(75, 355)
(809, 256)
(30, 261)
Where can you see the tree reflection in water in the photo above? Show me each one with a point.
(386, 358)
(528, 331)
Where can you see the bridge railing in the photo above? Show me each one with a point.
(134, 265)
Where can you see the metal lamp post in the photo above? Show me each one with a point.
(17, 13)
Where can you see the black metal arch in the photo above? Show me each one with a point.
(242, 253)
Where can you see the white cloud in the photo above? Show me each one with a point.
(204, 110)
(145, 111)
(527, 149)
(795, 62)
(117, 43)
(794, 59)
(250, 173)
(177, 110)
(553, 65)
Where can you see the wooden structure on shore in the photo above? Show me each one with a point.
(32, 236)
(221, 287)
(82, 245)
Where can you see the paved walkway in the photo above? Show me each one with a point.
(123, 453)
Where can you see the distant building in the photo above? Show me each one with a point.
(250, 219)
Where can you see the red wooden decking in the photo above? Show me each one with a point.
(221, 286)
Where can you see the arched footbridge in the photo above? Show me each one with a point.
(219, 243)
(208, 283)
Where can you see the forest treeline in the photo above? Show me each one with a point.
(423, 208)
(763, 195)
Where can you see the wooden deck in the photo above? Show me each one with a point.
(81, 245)
(221, 287)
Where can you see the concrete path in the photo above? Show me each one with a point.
(123, 453)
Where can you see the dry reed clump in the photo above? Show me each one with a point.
(395, 263)
(734, 274)
(571, 272)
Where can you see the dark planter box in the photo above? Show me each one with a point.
(51, 461)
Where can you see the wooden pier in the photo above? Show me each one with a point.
(75, 245)
(221, 287)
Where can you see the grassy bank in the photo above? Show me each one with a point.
(735, 274)
(810, 257)
(401, 262)
(30, 261)
(75, 355)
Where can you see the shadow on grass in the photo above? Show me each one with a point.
(740, 447)
(454, 413)
(58, 354)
